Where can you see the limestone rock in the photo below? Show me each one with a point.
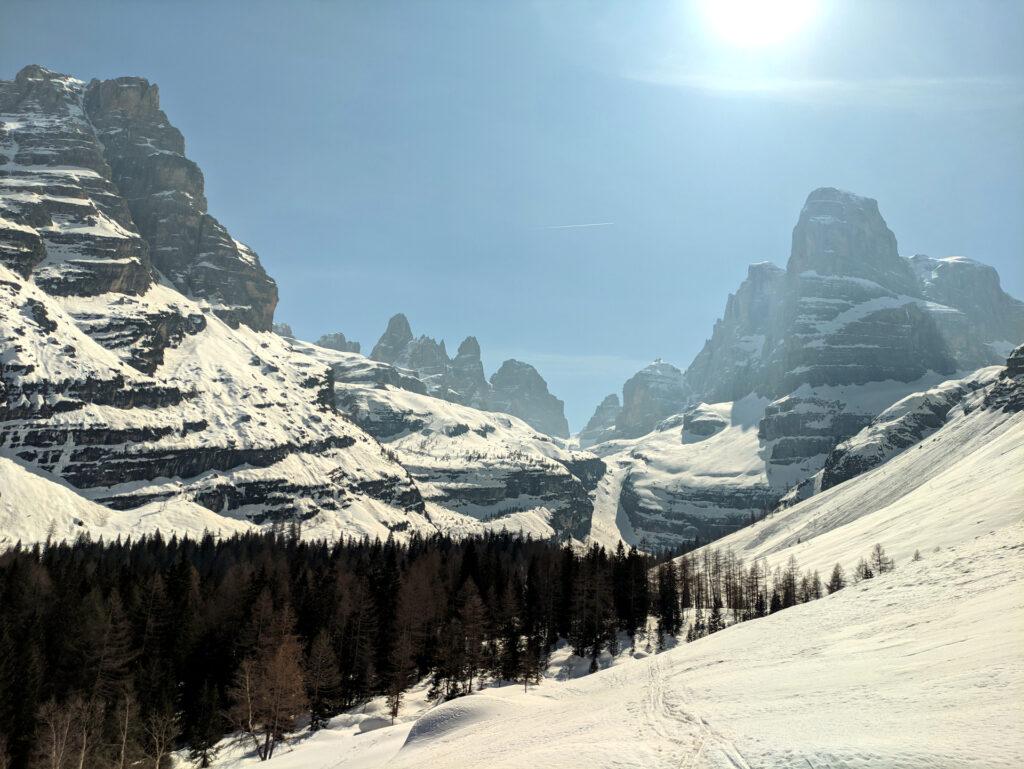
(518, 389)
(337, 341)
(393, 342)
(601, 425)
(164, 192)
(649, 396)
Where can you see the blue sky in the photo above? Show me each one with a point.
(426, 157)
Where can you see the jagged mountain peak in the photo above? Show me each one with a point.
(396, 336)
(517, 388)
(469, 347)
(101, 198)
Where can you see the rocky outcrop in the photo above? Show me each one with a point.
(652, 394)
(1007, 393)
(62, 218)
(466, 381)
(163, 189)
(601, 425)
(848, 310)
(730, 364)
(977, 308)
(517, 388)
(337, 341)
(392, 343)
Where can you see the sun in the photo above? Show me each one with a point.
(757, 23)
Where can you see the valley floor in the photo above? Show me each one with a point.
(920, 667)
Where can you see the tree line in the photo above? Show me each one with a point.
(116, 654)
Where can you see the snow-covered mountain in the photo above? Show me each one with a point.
(810, 355)
(138, 369)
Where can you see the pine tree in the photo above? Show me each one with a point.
(881, 562)
(402, 673)
(837, 581)
(863, 571)
(323, 681)
(207, 727)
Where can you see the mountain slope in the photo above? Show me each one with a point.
(917, 668)
(32, 502)
(489, 466)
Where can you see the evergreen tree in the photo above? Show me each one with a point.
(323, 681)
(838, 579)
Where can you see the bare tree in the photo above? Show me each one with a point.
(126, 714)
(269, 695)
(161, 728)
(68, 733)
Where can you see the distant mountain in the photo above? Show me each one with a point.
(601, 425)
(516, 388)
(814, 352)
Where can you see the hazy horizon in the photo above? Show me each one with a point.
(578, 187)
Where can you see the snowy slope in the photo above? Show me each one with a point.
(231, 419)
(694, 472)
(965, 480)
(713, 466)
(918, 668)
(31, 502)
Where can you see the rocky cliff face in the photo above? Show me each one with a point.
(849, 310)
(164, 191)
(516, 388)
(652, 394)
(601, 426)
(729, 366)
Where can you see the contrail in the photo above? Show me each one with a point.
(575, 226)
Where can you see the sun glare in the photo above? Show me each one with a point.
(757, 23)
